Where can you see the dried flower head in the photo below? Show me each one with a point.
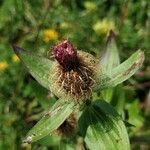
(74, 73)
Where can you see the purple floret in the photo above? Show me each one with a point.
(66, 55)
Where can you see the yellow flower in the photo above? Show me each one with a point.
(15, 58)
(50, 34)
(103, 27)
(90, 6)
(3, 65)
(65, 25)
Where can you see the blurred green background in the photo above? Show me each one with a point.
(38, 24)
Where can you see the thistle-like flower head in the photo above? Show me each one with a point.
(74, 72)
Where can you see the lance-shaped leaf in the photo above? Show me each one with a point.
(110, 58)
(38, 66)
(103, 128)
(51, 121)
(122, 72)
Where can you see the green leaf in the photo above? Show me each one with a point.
(51, 121)
(38, 66)
(103, 128)
(49, 140)
(6, 12)
(110, 58)
(118, 99)
(135, 115)
(122, 72)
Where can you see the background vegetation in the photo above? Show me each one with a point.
(37, 25)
